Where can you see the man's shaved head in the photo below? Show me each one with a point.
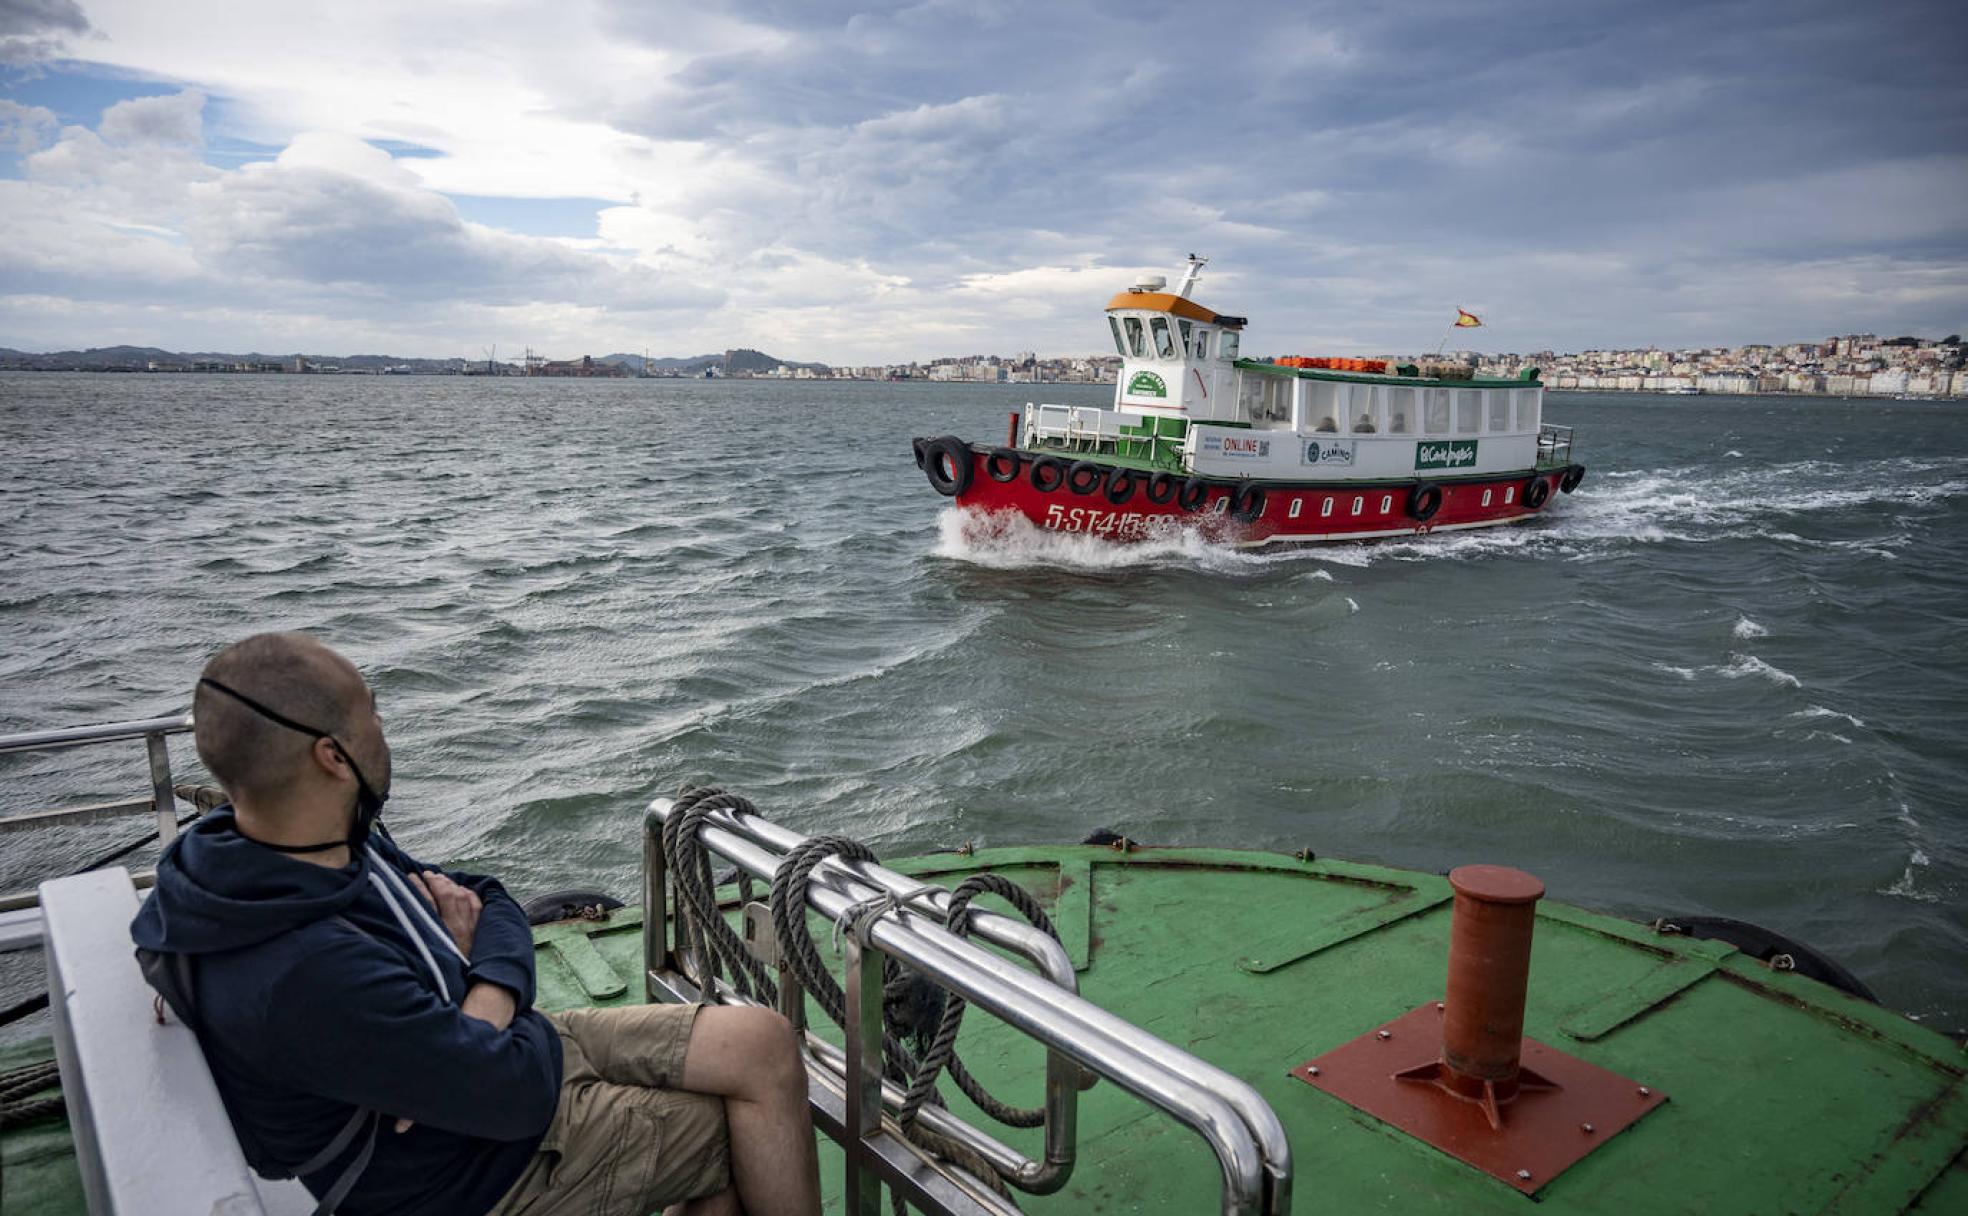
(290, 673)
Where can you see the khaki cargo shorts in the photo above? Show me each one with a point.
(624, 1140)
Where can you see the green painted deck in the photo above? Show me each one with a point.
(1784, 1096)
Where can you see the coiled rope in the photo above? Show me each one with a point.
(911, 1004)
(17, 1083)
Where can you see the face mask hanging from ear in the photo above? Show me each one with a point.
(368, 802)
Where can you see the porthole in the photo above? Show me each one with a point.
(1386, 503)
(1509, 495)
(1486, 497)
(1359, 503)
(1296, 504)
(1325, 509)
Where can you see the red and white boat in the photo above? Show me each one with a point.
(1260, 453)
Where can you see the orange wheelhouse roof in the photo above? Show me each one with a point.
(1181, 306)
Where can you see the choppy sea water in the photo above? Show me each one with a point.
(1727, 676)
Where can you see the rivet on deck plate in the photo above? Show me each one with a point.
(1525, 1175)
(1440, 1006)
(1587, 1128)
(1312, 1071)
(1645, 1092)
(1386, 1034)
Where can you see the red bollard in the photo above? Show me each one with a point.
(1489, 973)
(1011, 433)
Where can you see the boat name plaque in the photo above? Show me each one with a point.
(1330, 452)
(1147, 384)
(1448, 454)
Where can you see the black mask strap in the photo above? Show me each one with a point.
(365, 796)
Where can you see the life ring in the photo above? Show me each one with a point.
(1048, 474)
(1084, 476)
(1195, 492)
(1423, 501)
(1162, 486)
(1570, 481)
(1002, 465)
(1247, 502)
(1536, 490)
(919, 444)
(1120, 486)
(954, 480)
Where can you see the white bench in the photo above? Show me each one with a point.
(151, 1136)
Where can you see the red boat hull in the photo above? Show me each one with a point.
(1286, 513)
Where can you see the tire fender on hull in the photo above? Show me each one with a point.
(1572, 477)
(1536, 490)
(1048, 474)
(1003, 465)
(1424, 500)
(1085, 476)
(947, 463)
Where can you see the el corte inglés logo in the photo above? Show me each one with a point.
(1147, 384)
(1446, 454)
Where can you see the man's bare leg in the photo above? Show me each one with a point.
(749, 1058)
(724, 1203)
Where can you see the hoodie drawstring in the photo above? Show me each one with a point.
(422, 907)
(389, 897)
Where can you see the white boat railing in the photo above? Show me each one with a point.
(1076, 427)
(161, 802)
(1554, 445)
(846, 1089)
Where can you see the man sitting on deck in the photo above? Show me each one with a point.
(369, 1020)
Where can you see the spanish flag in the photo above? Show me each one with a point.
(1466, 320)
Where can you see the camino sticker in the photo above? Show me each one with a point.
(1147, 384)
(1446, 454)
(1337, 452)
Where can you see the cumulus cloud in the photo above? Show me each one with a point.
(34, 30)
(24, 128)
(857, 181)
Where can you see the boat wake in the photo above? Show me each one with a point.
(1006, 540)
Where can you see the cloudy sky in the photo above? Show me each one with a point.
(885, 182)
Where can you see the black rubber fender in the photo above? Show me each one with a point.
(568, 903)
(1536, 490)
(1424, 500)
(1003, 464)
(1086, 476)
(919, 443)
(1120, 486)
(1766, 946)
(1195, 492)
(1162, 486)
(954, 480)
(1570, 481)
(1247, 502)
(1048, 474)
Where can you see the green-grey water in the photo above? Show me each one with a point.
(1726, 676)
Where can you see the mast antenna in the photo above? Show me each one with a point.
(1193, 272)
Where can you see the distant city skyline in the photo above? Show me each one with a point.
(870, 184)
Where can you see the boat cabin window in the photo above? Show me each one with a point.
(1226, 346)
(1120, 347)
(1164, 344)
(1469, 412)
(1324, 405)
(1499, 410)
(1366, 409)
(1184, 328)
(1400, 407)
(1202, 343)
(1527, 409)
(1133, 325)
(1265, 398)
(1435, 410)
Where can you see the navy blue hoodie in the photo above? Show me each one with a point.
(316, 1000)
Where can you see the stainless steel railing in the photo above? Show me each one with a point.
(153, 732)
(847, 1091)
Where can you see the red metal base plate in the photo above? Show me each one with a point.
(1545, 1130)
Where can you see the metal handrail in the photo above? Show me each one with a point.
(153, 731)
(1241, 1129)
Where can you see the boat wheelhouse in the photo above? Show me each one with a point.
(1262, 452)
